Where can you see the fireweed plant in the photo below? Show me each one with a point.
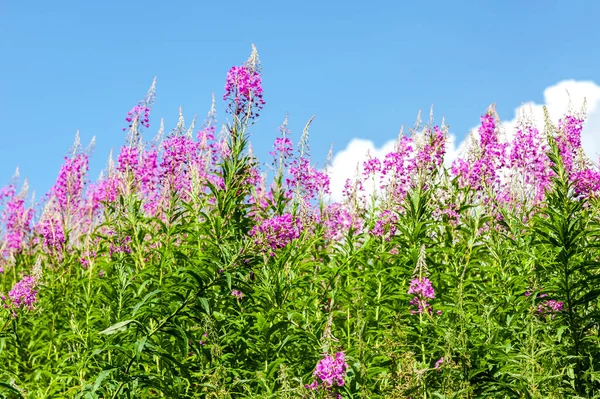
(191, 270)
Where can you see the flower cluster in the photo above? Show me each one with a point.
(237, 294)
(530, 163)
(397, 169)
(53, 236)
(550, 306)
(243, 87)
(128, 159)
(330, 372)
(122, 247)
(17, 222)
(547, 306)
(282, 148)
(438, 364)
(431, 154)
(105, 190)
(569, 139)
(491, 157)
(180, 158)
(22, 294)
(586, 182)
(385, 225)
(138, 114)
(307, 179)
(371, 167)
(68, 189)
(276, 232)
(338, 220)
(423, 290)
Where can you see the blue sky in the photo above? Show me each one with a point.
(363, 68)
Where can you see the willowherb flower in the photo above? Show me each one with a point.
(371, 167)
(203, 342)
(139, 114)
(148, 173)
(51, 231)
(397, 169)
(23, 294)
(243, 87)
(431, 154)
(338, 220)
(122, 247)
(550, 306)
(68, 189)
(128, 159)
(180, 160)
(237, 294)
(421, 288)
(585, 182)
(283, 146)
(484, 166)
(105, 190)
(385, 225)
(438, 364)
(17, 222)
(547, 306)
(530, 163)
(568, 139)
(276, 232)
(330, 372)
(307, 179)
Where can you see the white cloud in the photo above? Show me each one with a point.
(565, 95)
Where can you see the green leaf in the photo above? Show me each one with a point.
(118, 327)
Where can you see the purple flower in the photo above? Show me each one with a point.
(309, 180)
(529, 160)
(338, 220)
(243, 88)
(104, 191)
(398, 168)
(139, 114)
(490, 158)
(282, 149)
(439, 363)
(23, 293)
(423, 290)
(432, 154)
(330, 372)
(123, 247)
(203, 342)
(586, 182)
(69, 185)
(371, 166)
(569, 139)
(421, 287)
(385, 225)
(51, 231)
(237, 294)
(547, 306)
(180, 160)
(17, 221)
(276, 232)
(550, 307)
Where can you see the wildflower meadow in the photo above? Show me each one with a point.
(190, 269)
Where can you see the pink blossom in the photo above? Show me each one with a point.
(330, 372)
(243, 88)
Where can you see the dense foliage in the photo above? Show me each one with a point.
(182, 272)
